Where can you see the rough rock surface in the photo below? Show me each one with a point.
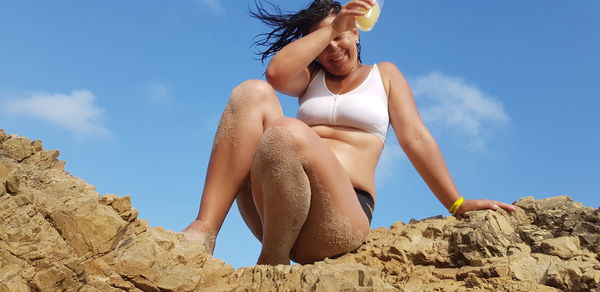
(58, 234)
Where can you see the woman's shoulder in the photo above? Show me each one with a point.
(389, 71)
(390, 75)
(387, 67)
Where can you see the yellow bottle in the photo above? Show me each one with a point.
(367, 22)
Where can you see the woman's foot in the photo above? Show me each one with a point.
(197, 231)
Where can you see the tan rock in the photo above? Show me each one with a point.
(45, 160)
(17, 148)
(12, 185)
(57, 233)
(4, 172)
(564, 247)
(53, 277)
(89, 227)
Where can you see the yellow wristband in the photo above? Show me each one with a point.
(458, 206)
(454, 208)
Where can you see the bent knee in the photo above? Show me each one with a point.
(253, 91)
(278, 150)
(277, 143)
(299, 131)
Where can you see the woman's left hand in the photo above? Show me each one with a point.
(482, 204)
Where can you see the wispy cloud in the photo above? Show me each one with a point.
(215, 6)
(450, 103)
(158, 93)
(76, 112)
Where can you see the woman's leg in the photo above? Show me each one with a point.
(281, 193)
(247, 208)
(252, 107)
(303, 196)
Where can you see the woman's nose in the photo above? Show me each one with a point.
(333, 46)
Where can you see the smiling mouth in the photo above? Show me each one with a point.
(338, 59)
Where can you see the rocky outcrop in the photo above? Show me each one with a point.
(57, 233)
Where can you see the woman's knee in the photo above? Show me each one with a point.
(277, 145)
(253, 92)
(297, 131)
(278, 162)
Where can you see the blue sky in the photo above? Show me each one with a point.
(131, 92)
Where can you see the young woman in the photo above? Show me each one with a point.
(306, 187)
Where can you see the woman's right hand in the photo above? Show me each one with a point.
(346, 19)
(197, 231)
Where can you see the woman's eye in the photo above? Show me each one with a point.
(337, 38)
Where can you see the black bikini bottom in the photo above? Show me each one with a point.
(366, 202)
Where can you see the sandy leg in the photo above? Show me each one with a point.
(307, 207)
(252, 106)
(278, 176)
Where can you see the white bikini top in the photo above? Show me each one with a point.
(364, 108)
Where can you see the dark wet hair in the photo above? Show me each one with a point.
(288, 27)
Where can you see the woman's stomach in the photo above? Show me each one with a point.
(358, 152)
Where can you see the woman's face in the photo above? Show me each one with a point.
(341, 55)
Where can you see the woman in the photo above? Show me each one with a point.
(305, 187)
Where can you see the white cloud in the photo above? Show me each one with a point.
(214, 6)
(453, 107)
(75, 112)
(159, 93)
(450, 103)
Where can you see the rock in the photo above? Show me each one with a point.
(564, 247)
(45, 160)
(88, 227)
(17, 148)
(12, 185)
(4, 175)
(57, 233)
(122, 205)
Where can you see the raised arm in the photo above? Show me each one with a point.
(420, 146)
(290, 69)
